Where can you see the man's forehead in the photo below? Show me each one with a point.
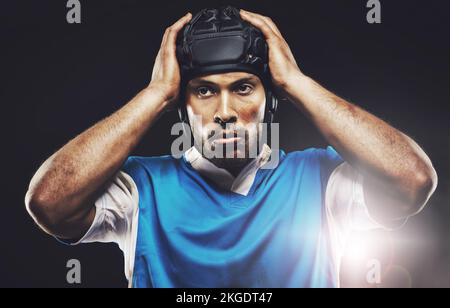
(225, 78)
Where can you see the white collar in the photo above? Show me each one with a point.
(224, 179)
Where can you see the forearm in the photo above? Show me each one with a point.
(365, 141)
(392, 163)
(64, 183)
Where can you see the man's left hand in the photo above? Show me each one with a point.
(283, 66)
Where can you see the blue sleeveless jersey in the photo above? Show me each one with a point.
(193, 234)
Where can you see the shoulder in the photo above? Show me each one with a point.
(319, 162)
(156, 164)
(317, 155)
(150, 160)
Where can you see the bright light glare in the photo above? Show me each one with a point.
(359, 247)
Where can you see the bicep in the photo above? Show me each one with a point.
(112, 215)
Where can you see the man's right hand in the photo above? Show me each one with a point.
(166, 75)
(62, 194)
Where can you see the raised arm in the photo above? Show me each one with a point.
(399, 177)
(62, 193)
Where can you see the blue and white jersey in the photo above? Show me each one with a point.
(187, 223)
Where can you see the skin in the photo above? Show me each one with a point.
(226, 103)
(62, 193)
(399, 177)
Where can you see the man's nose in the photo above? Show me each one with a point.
(225, 113)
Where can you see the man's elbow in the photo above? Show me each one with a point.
(42, 212)
(425, 185)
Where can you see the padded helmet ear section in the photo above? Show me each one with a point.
(271, 107)
(274, 104)
(184, 118)
(181, 104)
(182, 114)
(182, 111)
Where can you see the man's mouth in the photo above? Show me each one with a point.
(225, 137)
(224, 141)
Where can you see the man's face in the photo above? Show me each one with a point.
(225, 111)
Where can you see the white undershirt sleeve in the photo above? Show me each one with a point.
(345, 205)
(116, 218)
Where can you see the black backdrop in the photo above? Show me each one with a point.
(59, 79)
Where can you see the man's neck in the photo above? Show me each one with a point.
(234, 170)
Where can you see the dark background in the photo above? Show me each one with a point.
(59, 79)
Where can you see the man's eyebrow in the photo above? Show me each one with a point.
(202, 81)
(243, 80)
(234, 83)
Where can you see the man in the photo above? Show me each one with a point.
(202, 221)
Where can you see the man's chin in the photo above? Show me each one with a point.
(229, 157)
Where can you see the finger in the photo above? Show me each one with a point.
(182, 21)
(268, 21)
(164, 39)
(156, 65)
(166, 33)
(172, 31)
(158, 57)
(272, 25)
(260, 22)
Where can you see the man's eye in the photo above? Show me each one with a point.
(244, 89)
(205, 91)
